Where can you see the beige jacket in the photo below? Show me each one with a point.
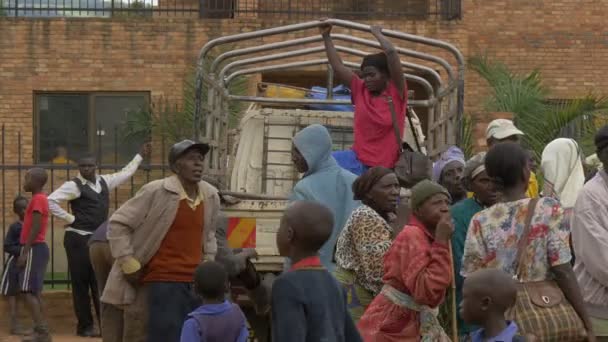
(138, 227)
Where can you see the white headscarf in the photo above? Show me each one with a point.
(563, 171)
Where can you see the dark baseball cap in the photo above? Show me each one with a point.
(180, 148)
(601, 139)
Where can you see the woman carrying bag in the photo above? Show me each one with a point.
(528, 238)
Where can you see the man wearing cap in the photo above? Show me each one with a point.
(590, 241)
(503, 130)
(89, 197)
(158, 238)
(477, 181)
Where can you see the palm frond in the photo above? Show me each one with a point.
(510, 92)
(173, 121)
(467, 143)
(573, 119)
(540, 119)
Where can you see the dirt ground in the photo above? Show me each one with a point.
(58, 309)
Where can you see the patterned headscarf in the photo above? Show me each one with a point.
(452, 154)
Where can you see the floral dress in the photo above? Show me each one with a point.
(494, 234)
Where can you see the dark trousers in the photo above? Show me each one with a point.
(82, 277)
(168, 306)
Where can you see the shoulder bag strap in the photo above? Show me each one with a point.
(523, 240)
(389, 99)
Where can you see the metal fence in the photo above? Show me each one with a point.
(16, 160)
(342, 138)
(289, 9)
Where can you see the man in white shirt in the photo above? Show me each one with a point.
(89, 197)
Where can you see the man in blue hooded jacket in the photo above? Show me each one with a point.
(324, 181)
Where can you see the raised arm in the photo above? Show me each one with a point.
(428, 273)
(392, 56)
(344, 74)
(114, 180)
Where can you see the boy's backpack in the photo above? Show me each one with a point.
(225, 327)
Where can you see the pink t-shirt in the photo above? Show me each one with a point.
(38, 203)
(375, 143)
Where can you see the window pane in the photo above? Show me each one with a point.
(111, 112)
(63, 127)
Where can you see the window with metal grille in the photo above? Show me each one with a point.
(69, 125)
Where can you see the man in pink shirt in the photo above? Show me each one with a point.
(381, 82)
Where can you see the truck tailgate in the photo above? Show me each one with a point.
(260, 218)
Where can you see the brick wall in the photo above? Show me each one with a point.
(566, 39)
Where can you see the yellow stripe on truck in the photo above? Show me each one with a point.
(241, 232)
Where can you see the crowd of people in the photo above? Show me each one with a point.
(368, 258)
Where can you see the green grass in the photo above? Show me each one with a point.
(57, 276)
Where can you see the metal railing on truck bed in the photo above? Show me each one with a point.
(442, 81)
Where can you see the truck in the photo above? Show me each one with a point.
(253, 161)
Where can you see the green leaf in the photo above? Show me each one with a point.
(541, 119)
(468, 140)
(175, 121)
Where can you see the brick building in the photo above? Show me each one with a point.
(81, 72)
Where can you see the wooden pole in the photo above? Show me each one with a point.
(454, 304)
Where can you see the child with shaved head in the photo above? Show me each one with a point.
(487, 294)
(308, 304)
(34, 254)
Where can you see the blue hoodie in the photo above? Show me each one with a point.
(325, 182)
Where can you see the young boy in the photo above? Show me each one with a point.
(10, 278)
(486, 295)
(308, 304)
(35, 253)
(217, 319)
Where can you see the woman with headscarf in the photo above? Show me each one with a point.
(366, 238)
(563, 172)
(381, 81)
(417, 273)
(484, 195)
(447, 171)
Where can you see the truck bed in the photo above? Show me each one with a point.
(267, 215)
